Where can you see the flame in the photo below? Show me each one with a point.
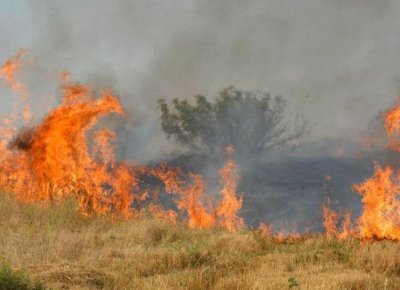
(347, 227)
(330, 220)
(381, 215)
(381, 192)
(392, 126)
(191, 197)
(9, 70)
(265, 230)
(55, 160)
(230, 204)
(51, 161)
(337, 224)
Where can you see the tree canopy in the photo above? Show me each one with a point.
(251, 121)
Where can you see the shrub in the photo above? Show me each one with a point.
(10, 280)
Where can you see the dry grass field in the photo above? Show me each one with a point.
(56, 248)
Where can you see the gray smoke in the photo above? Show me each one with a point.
(335, 61)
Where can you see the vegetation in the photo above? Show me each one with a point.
(60, 249)
(12, 280)
(251, 121)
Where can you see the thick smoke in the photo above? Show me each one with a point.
(335, 62)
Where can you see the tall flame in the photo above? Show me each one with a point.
(381, 193)
(330, 221)
(381, 200)
(54, 160)
(230, 204)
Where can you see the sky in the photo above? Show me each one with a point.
(335, 61)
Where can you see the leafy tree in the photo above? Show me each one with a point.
(251, 121)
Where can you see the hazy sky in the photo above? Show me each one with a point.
(336, 61)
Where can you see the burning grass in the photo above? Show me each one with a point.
(54, 159)
(79, 218)
(59, 248)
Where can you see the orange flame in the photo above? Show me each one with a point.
(392, 126)
(230, 204)
(381, 215)
(330, 220)
(347, 228)
(338, 225)
(8, 73)
(191, 197)
(265, 230)
(380, 218)
(381, 193)
(52, 161)
(10, 68)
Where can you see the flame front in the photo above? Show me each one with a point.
(54, 160)
(380, 193)
(381, 215)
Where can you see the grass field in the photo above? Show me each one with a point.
(55, 248)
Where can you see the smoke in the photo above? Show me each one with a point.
(334, 61)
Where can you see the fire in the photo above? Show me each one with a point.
(9, 70)
(265, 230)
(51, 161)
(347, 227)
(67, 156)
(381, 200)
(191, 197)
(338, 225)
(55, 160)
(230, 204)
(330, 220)
(392, 126)
(381, 193)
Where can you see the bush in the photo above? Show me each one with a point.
(10, 280)
(252, 121)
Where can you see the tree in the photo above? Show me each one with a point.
(251, 121)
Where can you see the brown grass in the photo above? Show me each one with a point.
(58, 248)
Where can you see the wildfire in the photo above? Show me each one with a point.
(55, 160)
(380, 193)
(191, 197)
(338, 225)
(230, 204)
(9, 70)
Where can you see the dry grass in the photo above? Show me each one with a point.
(58, 248)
